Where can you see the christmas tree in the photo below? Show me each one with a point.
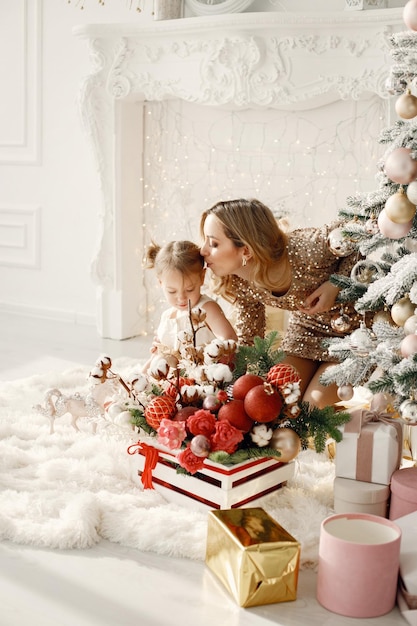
(382, 226)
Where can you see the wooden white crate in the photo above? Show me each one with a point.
(216, 486)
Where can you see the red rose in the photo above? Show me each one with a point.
(226, 437)
(202, 422)
(189, 461)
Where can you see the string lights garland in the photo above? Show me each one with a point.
(302, 164)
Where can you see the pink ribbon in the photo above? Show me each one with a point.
(151, 455)
(360, 418)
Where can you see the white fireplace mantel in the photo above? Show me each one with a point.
(285, 61)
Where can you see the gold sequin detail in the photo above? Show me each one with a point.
(312, 263)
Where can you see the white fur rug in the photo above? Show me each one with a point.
(70, 489)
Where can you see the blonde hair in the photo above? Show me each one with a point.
(250, 223)
(183, 256)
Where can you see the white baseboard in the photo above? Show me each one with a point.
(58, 315)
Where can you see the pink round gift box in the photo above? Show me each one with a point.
(403, 492)
(359, 557)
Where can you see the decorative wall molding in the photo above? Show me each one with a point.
(285, 61)
(20, 236)
(25, 147)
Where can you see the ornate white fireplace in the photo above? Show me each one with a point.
(253, 63)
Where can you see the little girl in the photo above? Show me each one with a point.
(180, 270)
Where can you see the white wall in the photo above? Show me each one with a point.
(46, 271)
(49, 189)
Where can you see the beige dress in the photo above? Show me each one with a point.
(312, 263)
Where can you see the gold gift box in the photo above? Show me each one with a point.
(254, 557)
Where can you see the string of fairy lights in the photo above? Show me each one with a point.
(302, 164)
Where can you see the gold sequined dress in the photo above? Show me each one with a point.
(312, 263)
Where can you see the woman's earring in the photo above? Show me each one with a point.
(244, 261)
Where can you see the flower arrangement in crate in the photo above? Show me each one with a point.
(222, 401)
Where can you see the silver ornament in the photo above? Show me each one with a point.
(362, 341)
(341, 322)
(365, 272)
(408, 410)
(338, 244)
(371, 226)
(395, 86)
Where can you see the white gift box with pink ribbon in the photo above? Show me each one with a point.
(371, 448)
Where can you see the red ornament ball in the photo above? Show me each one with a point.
(282, 374)
(263, 403)
(159, 408)
(244, 383)
(234, 412)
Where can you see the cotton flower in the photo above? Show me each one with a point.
(261, 435)
(159, 367)
(291, 392)
(219, 373)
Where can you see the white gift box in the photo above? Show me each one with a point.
(370, 453)
(407, 594)
(216, 486)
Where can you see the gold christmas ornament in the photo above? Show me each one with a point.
(402, 310)
(383, 316)
(287, 442)
(399, 209)
(406, 106)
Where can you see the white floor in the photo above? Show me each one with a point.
(109, 585)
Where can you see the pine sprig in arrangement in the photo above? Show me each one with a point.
(259, 358)
(319, 424)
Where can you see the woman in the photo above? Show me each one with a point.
(256, 263)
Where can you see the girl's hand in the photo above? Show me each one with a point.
(321, 300)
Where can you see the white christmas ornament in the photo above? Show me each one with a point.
(410, 325)
(412, 192)
(402, 310)
(345, 392)
(362, 341)
(410, 14)
(408, 345)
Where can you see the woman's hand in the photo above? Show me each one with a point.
(321, 300)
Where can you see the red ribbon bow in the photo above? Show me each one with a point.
(151, 455)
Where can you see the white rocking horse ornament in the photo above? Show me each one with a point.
(57, 405)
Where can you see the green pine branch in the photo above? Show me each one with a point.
(318, 425)
(258, 358)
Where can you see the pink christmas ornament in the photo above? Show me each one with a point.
(400, 167)
(408, 346)
(410, 14)
(391, 229)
